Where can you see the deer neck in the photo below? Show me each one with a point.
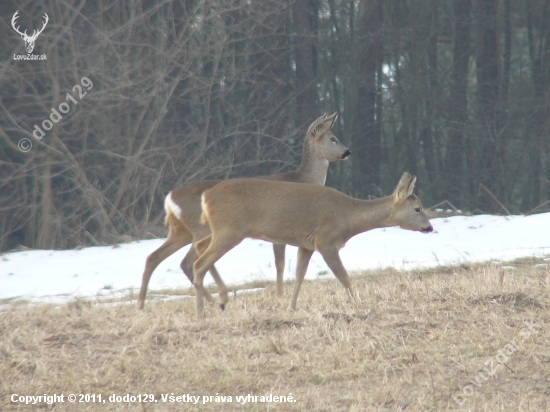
(370, 214)
(313, 169)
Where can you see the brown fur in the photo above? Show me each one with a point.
(307, 216)
(320, 148)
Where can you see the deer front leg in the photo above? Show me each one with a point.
(222, 289)
(301, 268)
(279, 252)
(332, 259)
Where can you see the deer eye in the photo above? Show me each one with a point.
(417, 210)
(333, 139)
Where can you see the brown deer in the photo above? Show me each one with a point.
(183, 206)
(307, 216)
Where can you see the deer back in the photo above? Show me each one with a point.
(278, 212)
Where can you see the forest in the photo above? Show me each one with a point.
(153, 94)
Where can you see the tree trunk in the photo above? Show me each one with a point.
(366, 143)
(458, 153)
(536, 142)
(46, 239)
(306, 24)
(489, 167)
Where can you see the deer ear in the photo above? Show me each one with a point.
(405, 187)
(334, 117)
(315, 125)
(411, 186)
(321, 125)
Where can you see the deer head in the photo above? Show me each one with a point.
(29, 40)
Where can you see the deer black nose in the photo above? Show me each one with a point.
(428, 229)
(346, 154)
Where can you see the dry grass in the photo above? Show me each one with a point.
(415, 340)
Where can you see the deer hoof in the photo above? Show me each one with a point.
(222, 306)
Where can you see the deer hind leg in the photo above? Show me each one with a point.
(332, 259)
(222, 289)
(279, 252)
(187, 267)
(178, 237)
(304, 255)
(216, 246)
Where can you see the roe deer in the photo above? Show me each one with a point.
(310, 217)
(183, 206)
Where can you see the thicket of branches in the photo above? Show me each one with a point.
(456, 91)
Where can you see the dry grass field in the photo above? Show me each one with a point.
(477, 333)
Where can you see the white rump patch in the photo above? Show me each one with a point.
(204, 208)
(170, 205)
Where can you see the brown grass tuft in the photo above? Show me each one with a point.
(415, 340)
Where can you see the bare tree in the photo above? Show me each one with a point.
(151, 94)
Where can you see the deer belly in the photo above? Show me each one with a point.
(304, 241)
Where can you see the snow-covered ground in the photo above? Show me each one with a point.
(59, 276)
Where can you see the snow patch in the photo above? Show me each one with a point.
(60, 276)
